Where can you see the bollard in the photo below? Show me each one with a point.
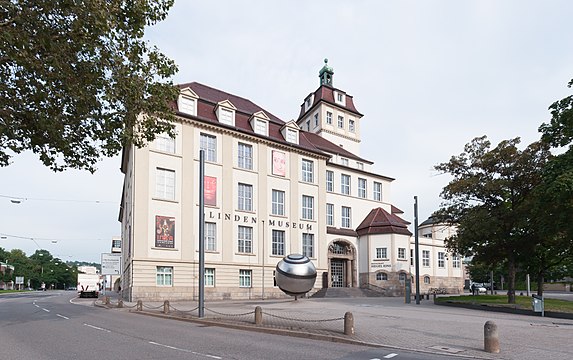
(490, 337)
(119, 303)
(139, 305)
(258, 316)
(348, 323)
(166, 307)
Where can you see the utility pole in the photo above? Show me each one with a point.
(416, 250)
(201, 233)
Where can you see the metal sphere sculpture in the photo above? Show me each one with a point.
(295, 275)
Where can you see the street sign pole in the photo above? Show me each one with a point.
(201, 233)
(416, 250)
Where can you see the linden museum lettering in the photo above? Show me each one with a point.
(253, 220)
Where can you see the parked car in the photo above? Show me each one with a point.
(478, 288)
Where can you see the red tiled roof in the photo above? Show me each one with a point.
(326, 93)
(379, 221)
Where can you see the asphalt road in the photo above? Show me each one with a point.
(57, 325)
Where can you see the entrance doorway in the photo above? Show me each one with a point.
(337, 273)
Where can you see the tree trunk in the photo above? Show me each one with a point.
(511, 274)
(540, 281)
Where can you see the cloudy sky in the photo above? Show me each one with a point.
(428, 76)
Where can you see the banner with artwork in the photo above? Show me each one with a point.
(279, 163)
(210, 190)
(164, 232)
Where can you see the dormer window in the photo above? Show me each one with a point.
(292, 136)
(344, 161)
(340, 98)
(260, 123)
(308, 102)
(226, 112)
(261, 127)
(187, 102)
(226, 116)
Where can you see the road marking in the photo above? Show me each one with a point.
(62, 316)
(390, 356)
(97, 328)
(185, 350)
(46, 310)
(36, 305)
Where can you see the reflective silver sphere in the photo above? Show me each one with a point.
(295, 274)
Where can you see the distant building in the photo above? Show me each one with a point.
(272, 188)
(6, 269)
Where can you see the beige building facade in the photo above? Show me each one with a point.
(272, 188)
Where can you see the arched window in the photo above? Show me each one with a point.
(402, 277)
(381, 276)
(426, 279)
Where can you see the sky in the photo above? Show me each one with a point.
(429, 76)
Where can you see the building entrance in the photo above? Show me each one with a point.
(341, 264)
(337, 273)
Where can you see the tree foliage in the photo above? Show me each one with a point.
(75, 77)
(488, 200)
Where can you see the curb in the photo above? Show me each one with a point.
(304, 335)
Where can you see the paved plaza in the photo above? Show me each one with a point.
(388, 322)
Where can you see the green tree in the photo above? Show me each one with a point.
(488, 200)
(76, 77)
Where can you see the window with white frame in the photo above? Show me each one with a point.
(308, 245)
(329, 118)
(359, 165)
(209, 277)
(381, 276)
(316, 120)
(245, 197)
(377, 191)
(165, 143)
(208, 143)
(307, 207)
(361, 188)
(226, 116)
(345, 184)
(402, 253)
(441, 259)
(307, 171)
(261, 127)
(341, 121)
(344, 161)
(456, 261)
(210, 236)
(330, 214)
(278, 242)
(426, 279)
(329, 181)
(425, 258)
(292, 136)
(351, 125)
(278, 202)
(245, 278)
(165, 184)
(164, 275)
(245, 239)
(245, 156)
(346, 220)
(381, 253)
(186, 105)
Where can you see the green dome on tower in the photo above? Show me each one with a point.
(326, 73)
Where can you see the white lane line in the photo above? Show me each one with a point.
(36, 305)
(185, 350)
(97, 328)
(62, 316)
(390, 356)
(46, 310)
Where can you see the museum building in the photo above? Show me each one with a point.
(271, 188)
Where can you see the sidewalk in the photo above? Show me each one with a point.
(387, 322)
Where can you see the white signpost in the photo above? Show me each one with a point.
(110, 265)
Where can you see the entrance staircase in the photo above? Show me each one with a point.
(346, 292)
